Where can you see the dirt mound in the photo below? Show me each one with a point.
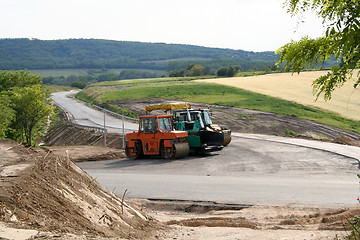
(63, 134)
(42, 190)
(251, 222)
(216, 222)
(87, 153)
(346, 141)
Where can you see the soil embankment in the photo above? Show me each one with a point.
(45, 191)
(64, 134)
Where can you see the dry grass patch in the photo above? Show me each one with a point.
(298, 88)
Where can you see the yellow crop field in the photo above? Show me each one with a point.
(298, 88)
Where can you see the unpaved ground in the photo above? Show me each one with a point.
(196, 221)
(87, 153)
(44, 195)
(47, 192)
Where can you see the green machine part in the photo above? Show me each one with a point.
(193, 129)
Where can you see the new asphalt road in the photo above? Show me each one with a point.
(253, 169)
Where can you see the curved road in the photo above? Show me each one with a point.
(253, 169)
(84, 115)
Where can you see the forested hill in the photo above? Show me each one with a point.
(94, 53)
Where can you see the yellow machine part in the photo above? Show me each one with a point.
(227, 139)
(167, 106)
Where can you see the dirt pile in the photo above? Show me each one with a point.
(251, 222)
(87, 153)
(42, 190)
(63, 134)
(346, 141)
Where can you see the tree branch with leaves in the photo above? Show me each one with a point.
(341, 41)
(24, 105)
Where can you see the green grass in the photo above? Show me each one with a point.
(185, 90)
(84, 97)
(147, 81)
(57, 88)
(118, 110)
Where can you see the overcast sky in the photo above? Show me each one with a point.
(252, 25)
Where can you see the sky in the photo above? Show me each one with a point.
(251, 25)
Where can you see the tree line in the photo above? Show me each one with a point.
(81, 81)
(24, 106)
(231, 71)
(93, 53)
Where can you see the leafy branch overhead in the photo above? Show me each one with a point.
(341, 42)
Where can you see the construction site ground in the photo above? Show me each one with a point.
(45, 195)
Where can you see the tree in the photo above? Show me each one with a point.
(22, 78)
(195, 70)
(221, 72)
(7, 115)
(231, 71)
(24, 106)
(228, 71)
(177, 73)
(32, 110)
(341, 42)
(79, 84)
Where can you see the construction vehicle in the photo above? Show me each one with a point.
(157, 136)
(203, 136)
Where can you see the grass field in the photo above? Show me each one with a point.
(186, 90)
(56, 88)
(298, 88)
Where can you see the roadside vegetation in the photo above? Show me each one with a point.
(24, 106)
(56, 88)
(183, 89)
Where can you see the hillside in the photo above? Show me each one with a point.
(118, 95)
(95, 53)
(298, 88)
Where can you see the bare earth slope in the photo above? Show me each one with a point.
(47, 192)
